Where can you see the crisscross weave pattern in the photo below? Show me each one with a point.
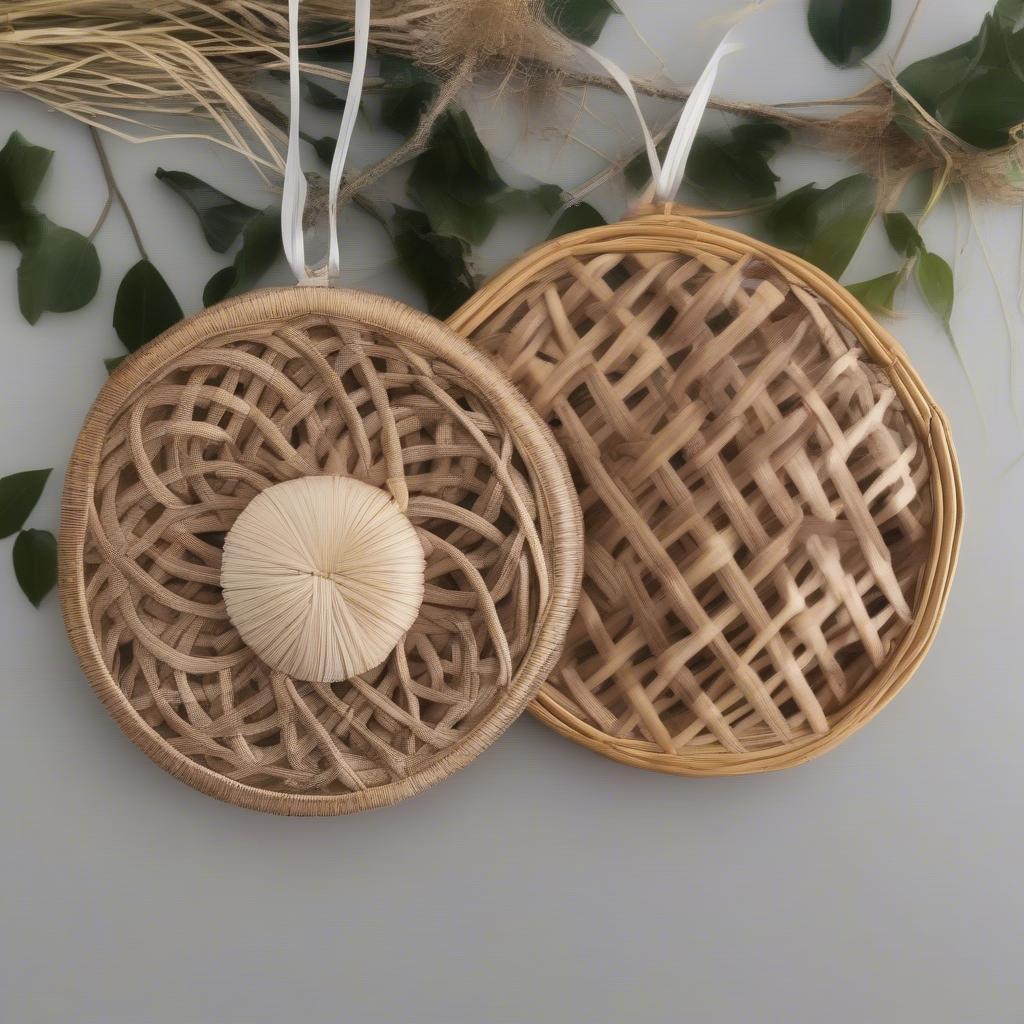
(273, 398)
(756, 501)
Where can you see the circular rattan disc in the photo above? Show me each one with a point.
(275, 386)
(771, 500)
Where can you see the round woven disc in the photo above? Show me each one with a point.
(771, 500)
(322, 577)
(281, 385)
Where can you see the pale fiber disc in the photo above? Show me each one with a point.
(322, 576)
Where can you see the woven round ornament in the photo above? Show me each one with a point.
(316, 551)
(771, 500)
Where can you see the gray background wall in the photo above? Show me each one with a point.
(880, 883)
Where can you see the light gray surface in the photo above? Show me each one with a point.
(880, 883)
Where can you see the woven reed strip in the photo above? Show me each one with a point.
(275, 385)
(771, 498)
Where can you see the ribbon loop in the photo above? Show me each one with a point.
(668, 174)
(293, 200)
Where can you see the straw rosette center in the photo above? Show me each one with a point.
(322, 576)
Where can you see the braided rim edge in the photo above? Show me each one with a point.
(556, 496)
(666, 226)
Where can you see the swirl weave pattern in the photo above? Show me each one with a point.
(279, 386)
(757, 501)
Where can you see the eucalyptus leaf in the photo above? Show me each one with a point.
(59, 270)
(145, 306)
(879, 294)
(902, 234)
(261, 246)
(582, 20)
(576, 218)
(35, 563)
(824, 225)
(19, 493)
(220, 217)
(935, 279)
(437, 263)
(846, 31)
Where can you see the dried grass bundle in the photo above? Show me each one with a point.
(188, 69)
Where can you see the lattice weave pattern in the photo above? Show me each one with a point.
(756, 502)
(295, 396)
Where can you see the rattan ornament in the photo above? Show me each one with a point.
(316, 551)
(771, 499)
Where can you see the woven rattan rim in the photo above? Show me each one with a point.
(556, 504)
(667, 229)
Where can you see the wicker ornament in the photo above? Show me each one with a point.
(771, 501)
(316, 552)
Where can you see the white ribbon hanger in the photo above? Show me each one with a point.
(293, 200)
(668, 175)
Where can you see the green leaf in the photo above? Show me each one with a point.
(984, 109)
(454, 180)
(409, 90)
(878, 294)
(22, 169)
(727, 170)
(19, 493)
(1009, 13)
(902, 234)
(846, 31)
(826, 225)
(935, 279)
(976, 89)
(457, 186)
(834, 246)
(576, 218)
(323, 147)
(145, 306)
(322, 97)
(581, 20)
(261, 246)
(59, 270)
(733, 171)
(437, 263)
(221, 217)
(35, 563)
(545, 198)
